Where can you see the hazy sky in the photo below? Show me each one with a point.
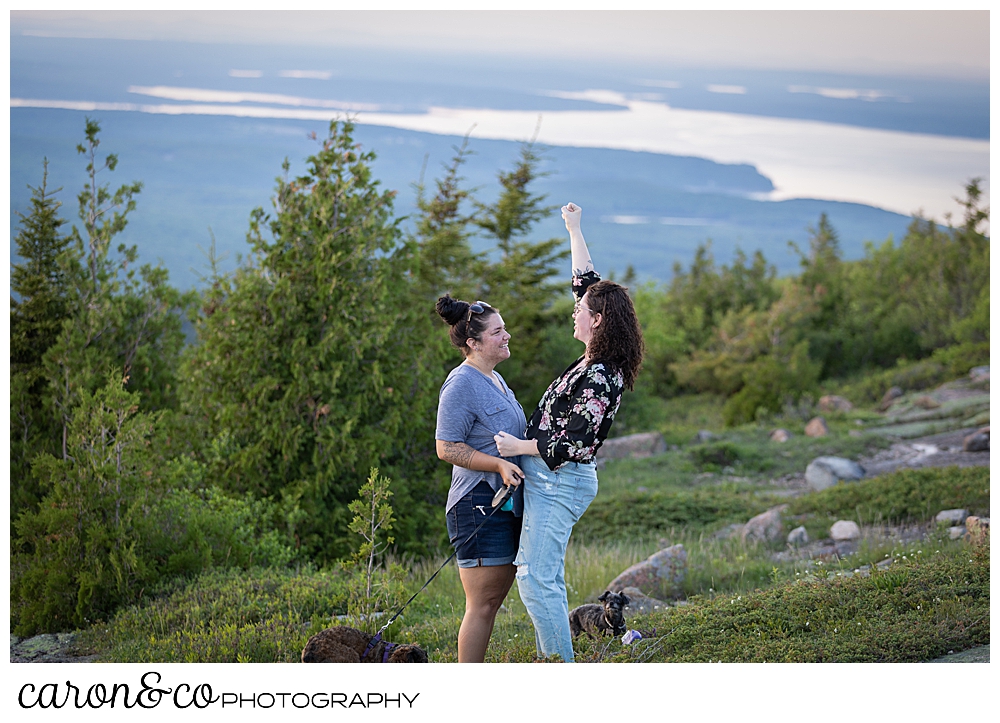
(910, 42)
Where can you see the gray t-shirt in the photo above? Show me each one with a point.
(472, 409)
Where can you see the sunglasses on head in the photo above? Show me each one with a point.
(478, 308)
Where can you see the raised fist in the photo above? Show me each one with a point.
(571, 215)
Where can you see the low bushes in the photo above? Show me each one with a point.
(902, 496)
(632, 514)
(916, 610)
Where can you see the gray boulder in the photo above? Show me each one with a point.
(660, 575)
(952, 517)
(956, 533)
(640, 603)
(798, 536)
(889, 397)
(766, 527)
(844, 530)
(978, 441)
(633, 446)
(979, 374)
(825, 472)
(703, 436)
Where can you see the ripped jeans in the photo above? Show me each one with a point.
(553, 502)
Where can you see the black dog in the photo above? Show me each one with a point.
(597, 620)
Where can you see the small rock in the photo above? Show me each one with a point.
(884, 563)
(660, 574)
(926, 402)
(704, 436)
(825, 472)
(766, 526)
(977, 529)
(780, 435)
(979, 374)
(833, 403)
(641, 603)
(633, 446)
(798, 536)
(955, 533)
(640, 488)
(889, 397)
(728, 531)
(978, 441)
(954, 517)
(817, 427)
(843, 530)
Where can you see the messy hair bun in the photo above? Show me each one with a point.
(456, 314)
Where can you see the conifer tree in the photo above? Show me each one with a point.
(519, 283)
(312, 363)
(119, 315)
(38, 307)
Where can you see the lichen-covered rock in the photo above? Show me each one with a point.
(633, 446)
(977, 529)
(798, 536)
(833, 403)
(639, 603)
(780, 435)
(817, 427)
(660, 575)
(952, 517)
(978, 441)
(844, 530)
(825, 472)
(703, 436)
(765, 527)
(889, 397)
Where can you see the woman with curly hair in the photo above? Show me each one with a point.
(565, 431)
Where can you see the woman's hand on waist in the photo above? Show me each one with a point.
(510, 446)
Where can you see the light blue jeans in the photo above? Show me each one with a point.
(553, 502)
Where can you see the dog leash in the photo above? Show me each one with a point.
(498, 501)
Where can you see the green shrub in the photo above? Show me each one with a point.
(117, 520)
(905, 495)
(261, 615)
(715, 456)
(632, 514)
(918, 609)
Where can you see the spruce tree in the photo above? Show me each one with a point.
(38, 307)
(519, 282)
(312, 364)
(120, 314)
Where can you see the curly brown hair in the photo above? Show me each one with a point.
(617, 340)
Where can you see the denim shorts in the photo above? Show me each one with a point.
(496, 541)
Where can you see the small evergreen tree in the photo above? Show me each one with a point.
(374, 587)
(519, 282)
(38, 306)
(312, 363)
(119, 315)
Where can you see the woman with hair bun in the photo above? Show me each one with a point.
(475, 404)
(567, 428)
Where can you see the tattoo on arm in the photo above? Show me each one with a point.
(458, 453)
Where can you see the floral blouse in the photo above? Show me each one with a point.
(574, 416)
